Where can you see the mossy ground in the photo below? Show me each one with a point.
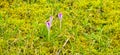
(93, 27)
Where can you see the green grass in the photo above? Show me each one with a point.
(93, 27)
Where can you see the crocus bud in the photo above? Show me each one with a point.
(48, 24)
(51, 18)
(60, 16)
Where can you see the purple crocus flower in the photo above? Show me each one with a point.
(60, 16)
(51, 18)
(48, 24)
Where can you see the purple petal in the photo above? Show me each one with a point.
(51, 18)
(60, 15)
(48, 24)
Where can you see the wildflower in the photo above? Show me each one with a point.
(60, 16)
(48, 24)
(51, 19)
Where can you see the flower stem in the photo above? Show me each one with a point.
(60, 25)
(48, 35)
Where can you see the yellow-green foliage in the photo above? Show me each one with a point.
(93, 27)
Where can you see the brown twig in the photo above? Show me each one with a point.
(62, 47)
